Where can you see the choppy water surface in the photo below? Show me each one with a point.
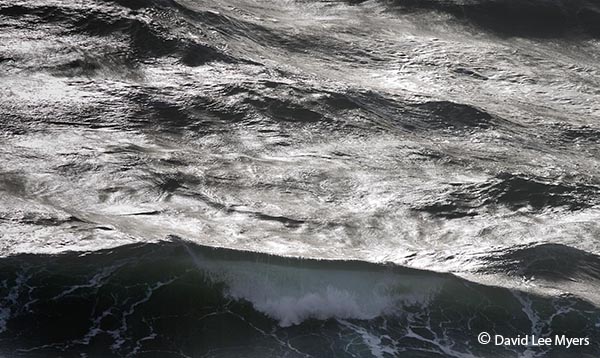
(434, 163)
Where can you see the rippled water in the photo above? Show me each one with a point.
(456, 137)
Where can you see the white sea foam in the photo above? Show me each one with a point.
(292, 294)
(320, 303)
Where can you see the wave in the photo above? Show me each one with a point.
(177, 298)
(514, 191)
(535, 18)
(450, 115)
(130, 37)
(551, 262)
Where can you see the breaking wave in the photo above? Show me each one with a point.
(178, 297)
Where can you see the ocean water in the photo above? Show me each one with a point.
(278, 178)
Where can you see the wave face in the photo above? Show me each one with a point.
(457, 141)
(538, 18)
(177, 299)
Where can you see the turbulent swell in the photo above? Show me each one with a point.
(139, 299)
(298, 178)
